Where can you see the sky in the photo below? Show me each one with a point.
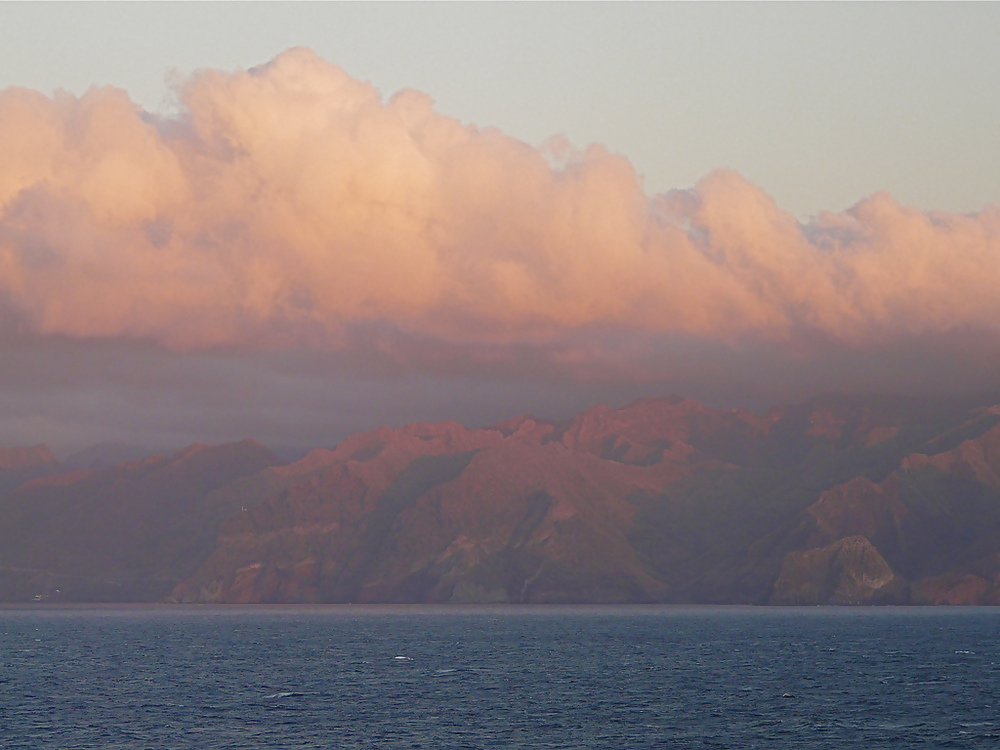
(296, 221)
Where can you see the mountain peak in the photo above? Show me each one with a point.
(664, 499)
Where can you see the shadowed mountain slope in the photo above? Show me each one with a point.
(838, 500)
(121, 534)
(934, 522)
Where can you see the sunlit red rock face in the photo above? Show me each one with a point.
(440, 513)
(663, 500)
(848, 571)
(839, 500)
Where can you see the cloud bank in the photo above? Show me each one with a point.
(290, 206)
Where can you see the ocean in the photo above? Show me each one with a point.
(503, 677)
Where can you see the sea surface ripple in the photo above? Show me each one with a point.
(557, 677)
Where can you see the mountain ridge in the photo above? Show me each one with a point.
(843, 500)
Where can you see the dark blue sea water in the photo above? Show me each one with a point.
(343, 677)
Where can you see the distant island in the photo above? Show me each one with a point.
(840, 500)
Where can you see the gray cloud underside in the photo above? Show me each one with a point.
(292, 247)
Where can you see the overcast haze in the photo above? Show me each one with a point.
(293, 222)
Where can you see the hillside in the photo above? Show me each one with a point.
(838, 500)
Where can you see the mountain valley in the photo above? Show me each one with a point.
(840, 500)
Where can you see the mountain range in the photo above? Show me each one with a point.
(839, 500)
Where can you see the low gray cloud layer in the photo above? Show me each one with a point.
(294, 256)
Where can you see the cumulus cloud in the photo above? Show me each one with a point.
(292, 206)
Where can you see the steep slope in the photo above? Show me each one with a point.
(663, 500)
(441, 513)
(721, 535)
(838, 500)
(847, 571)
(934, 521)
(126, 533)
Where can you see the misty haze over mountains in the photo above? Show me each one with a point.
(292, 256)
(290, 243)
(378, 313)
(843, 500)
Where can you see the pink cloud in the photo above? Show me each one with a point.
(291, 206)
